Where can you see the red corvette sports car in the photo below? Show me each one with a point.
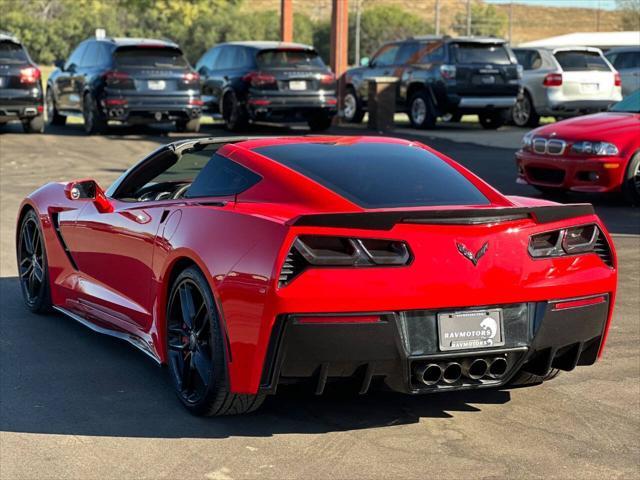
(248, 263)
(593, 153)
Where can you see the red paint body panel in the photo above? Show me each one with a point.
(621, 129)
(124, 259)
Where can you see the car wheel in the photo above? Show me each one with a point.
(189, 126)
(319, 122)
(451, 117)
(196, 350)
(352, 108)
(34, 125)
(421, 110)
(234, 114)
(492, 120)
(631, 181)
(523, 113)
(53, 117)
(32, 265)
(94, 120)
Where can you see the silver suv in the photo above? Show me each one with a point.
(564, 82)
(626, 60)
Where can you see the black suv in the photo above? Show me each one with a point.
(269, 82)
(441, 76)
(129, 80)
(20, 86)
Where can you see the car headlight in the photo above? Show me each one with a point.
(527, 140)
(595, 148)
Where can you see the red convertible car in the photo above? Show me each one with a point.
(248, 263)
(594, 153)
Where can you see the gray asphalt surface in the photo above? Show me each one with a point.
(74, 404)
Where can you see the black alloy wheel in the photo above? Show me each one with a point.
(234, 114)
(94, 121)
(631, 180)
(32, 265)
(53, 117)
(195, 350)
(492, 120)
(523, 113)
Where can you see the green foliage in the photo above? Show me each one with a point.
(630, 17)
(486, 20)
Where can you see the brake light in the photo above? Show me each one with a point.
(567, 241)
(327, 79)
(196, 101)
(259, 79)
(116, 79)
(191, 77)
(579, 302)
(552, 80)
(617, 80)
(29, 75)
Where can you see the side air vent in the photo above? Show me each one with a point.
(603, 250)
(293, 265)
(56, 225)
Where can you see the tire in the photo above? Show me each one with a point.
(631, 181)
(94, 120)
(33, 268)
(523, 113)
(53, 117)
(319, 122)
(196, 350)
(234, 114)
(189, 126)
(34, 125)
(352, 107)
(492, 120)
(451, 117)
(421, 110)
(522, 379)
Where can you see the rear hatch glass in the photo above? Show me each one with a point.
(295, 71)
(150, 57)
(289, 58)
(480, 53)
(12, 53)
(379, 175)
(578, 60)
(153, 70)
(12, 59)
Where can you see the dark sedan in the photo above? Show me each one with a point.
(125, 80)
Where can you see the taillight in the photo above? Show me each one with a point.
(327, 79)
(617, 80)
(448, 72)
(324, 251)
(116, 79)
(552, 80)
(191, 78)
(29, 75)
(259, 79)
(570, 241)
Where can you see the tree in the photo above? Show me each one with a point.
(486, 20)
(630, 17)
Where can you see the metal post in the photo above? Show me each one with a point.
(357, 39)
(468, 18)
(437, 17)
(510, 21)
(339, 42)
(286, 20)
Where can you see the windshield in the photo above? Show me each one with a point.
(150, 57)
(480, 53)
(630, 104)
(289, 58)
(577, 60)
(12, 53)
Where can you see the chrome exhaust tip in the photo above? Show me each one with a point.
(475, 369)
(451, 373)
(430, 374)
(30, 111)
(498, 367)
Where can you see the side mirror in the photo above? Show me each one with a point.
(364, 61)
(59, 64)
(88, 190)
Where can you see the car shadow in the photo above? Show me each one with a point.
(59, 377)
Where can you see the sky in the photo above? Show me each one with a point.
(604, 4)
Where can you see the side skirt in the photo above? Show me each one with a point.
(127, 337)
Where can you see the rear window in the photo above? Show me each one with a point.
(480, 53)
(575, 61)
(150, 57)
(379, 175)
(282, 58)
(12, 53)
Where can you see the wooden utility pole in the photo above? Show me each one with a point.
(357, 35)
(468, 18)
(437, 17)
(286, 21)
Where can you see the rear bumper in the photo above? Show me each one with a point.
(20, 104)
(557, 104)
(150, 109)
(591, 174)
(291, 106)
(538, 337)
(487, 102)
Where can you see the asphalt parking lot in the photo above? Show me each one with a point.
(74, 404)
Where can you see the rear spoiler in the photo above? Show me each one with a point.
(387, 220)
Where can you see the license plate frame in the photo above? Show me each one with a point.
(471, 329)
(297, 85)
(156, 85)
(589, 87)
